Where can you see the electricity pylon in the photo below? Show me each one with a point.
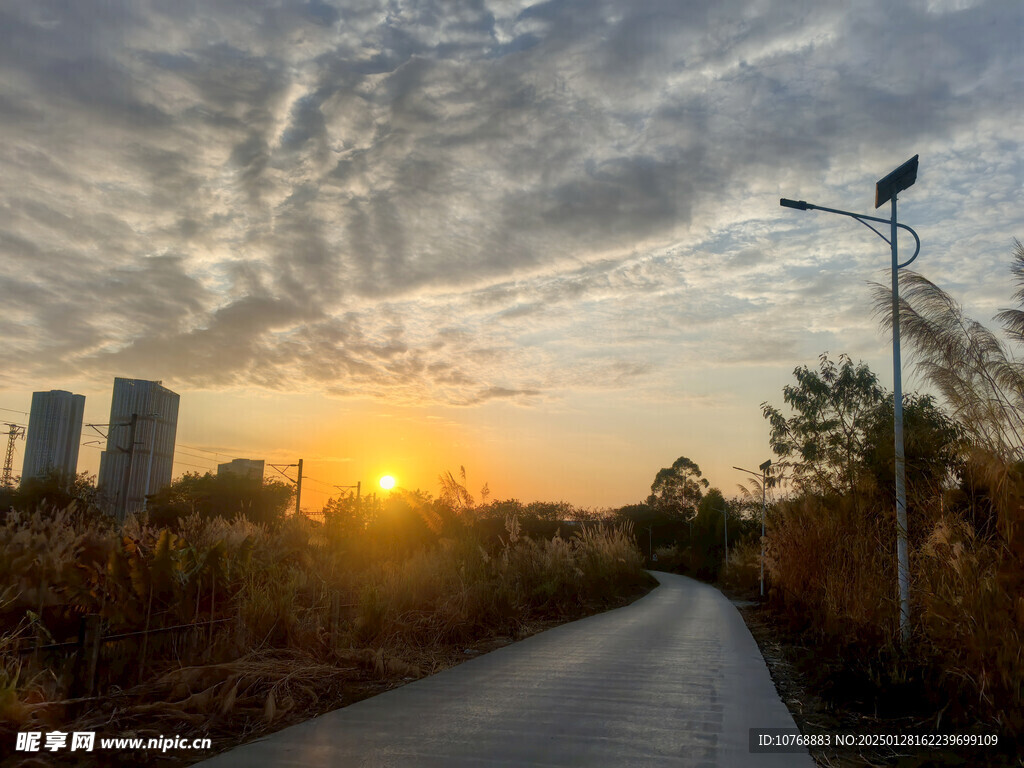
(13, 433)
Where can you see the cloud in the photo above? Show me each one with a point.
(461, 202)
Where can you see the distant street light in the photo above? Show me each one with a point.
(764, 504)
(886, 189)
(725, 525)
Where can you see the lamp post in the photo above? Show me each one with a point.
(764, 504)
(725, 525)
(886, 190)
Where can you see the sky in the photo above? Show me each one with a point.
(538, 240)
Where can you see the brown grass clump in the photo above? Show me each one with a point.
(302, 623)
(743, 574)
(831, 563)
(829, 559)
(970, 597)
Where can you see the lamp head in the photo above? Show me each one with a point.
(764, 467)
(800, 205)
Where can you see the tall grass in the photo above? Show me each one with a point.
(303, 603)
(831, 563)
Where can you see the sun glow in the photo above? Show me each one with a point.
(387, 482)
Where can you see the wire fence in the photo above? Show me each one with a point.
(93, 653)
(85, 652)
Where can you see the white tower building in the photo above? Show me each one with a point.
(54, 434)
(140, 444)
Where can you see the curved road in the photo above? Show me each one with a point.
(675, 679)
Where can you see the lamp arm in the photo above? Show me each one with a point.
(864, 219)
(916, 250)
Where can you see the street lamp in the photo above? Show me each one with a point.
(886, 189)
(725, 525)
(764, 504)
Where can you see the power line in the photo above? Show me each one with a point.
(186, 464)
(328, 486)
(207, 450)
(193, 455)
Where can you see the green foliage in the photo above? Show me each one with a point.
(933, 446)
(826, 439)
(653, 527)
(840, 433)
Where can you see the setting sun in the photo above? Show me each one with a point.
(387, 482)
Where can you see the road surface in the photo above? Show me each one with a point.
(674, 679)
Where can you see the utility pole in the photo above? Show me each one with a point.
(126, 484)
(149, 465)
(280, 468)
(764, 506)
(358, 486)
(13, 433)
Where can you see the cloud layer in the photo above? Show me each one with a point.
(457, 202)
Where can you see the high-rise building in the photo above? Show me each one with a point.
(140, 444)
(251, 469)
(54, 434)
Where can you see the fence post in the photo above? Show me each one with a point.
(335, 618)
(89, 652)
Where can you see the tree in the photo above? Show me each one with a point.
(933, 447)
(825, 440)
(225, 496)
(54, 489)
(677, 490)
(841, 433)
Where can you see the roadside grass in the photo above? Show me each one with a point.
(831, 620)
(832, 569)
(829, 627)
(309, 618)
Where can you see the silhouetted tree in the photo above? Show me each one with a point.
(224, 495)
(54, 489)
(677, 490)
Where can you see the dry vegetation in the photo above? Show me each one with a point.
(832, 572)
(310, 615)
(831, 556)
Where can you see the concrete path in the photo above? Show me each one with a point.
(675, 679)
